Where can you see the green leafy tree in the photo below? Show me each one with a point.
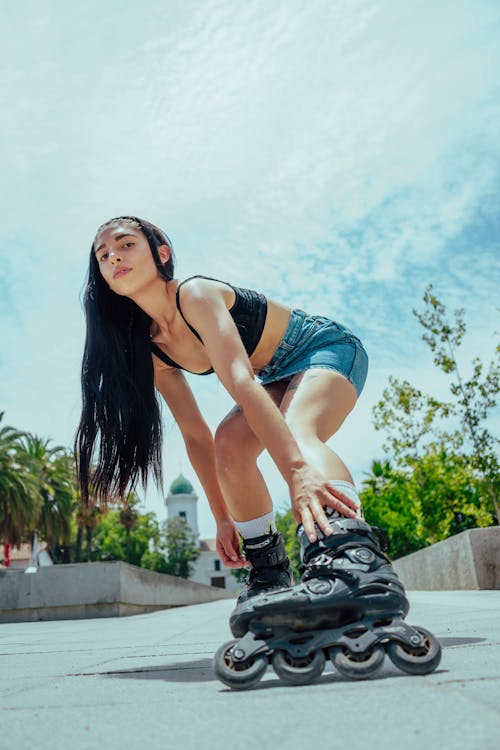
(287, 526)
(37, 489)
(87, 520)
(53, 469)
(437, 467)
(20, 499)
(111, 541)
(474, 397)
(408, 417)
(380, 473)
(180, 546)
(128, 519)
(154, 560)
(425, 501)
(387, 503)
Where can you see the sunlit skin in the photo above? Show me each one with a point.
(292, 420)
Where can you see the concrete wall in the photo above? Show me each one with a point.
(102, 589)
(470, 560)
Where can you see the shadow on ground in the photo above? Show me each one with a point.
(200, 670)
(197, 670)
(446, 642)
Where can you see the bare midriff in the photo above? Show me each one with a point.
(278, 317)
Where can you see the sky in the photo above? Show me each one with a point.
(336, 155)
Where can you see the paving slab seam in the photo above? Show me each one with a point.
(57, 706)
(98, 648)
(469, 679)
(27, 689)
(484, 644)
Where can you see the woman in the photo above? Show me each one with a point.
(144, 327)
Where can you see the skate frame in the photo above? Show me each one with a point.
(357, 637)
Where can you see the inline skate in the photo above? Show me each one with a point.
(349, 607)
(269, 571)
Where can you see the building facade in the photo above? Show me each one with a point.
(182, 502)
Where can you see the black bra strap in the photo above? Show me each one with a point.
(179, 308)
(156, 349)
(198, 276)
(164, 357)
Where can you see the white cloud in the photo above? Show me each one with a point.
(337, 156)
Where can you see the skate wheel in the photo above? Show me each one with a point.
(298, 670)
(357, 666)
(236, 674)
(418, 660)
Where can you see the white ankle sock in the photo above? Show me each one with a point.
(350, 490)
(257, 526)
(266, 525)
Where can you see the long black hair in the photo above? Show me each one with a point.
(120, 425)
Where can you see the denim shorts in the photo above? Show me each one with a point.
(315, 342)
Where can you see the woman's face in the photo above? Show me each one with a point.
(125, 260)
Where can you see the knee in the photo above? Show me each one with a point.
(235, 444)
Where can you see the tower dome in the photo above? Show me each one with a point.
(181, 486)
(182, 501)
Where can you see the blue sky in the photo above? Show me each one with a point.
(337, 156)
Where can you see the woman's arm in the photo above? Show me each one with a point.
(200, 449)
(205, 309)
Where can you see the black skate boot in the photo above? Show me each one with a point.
(270, 571)
(346, 577)
(349, 570)
(349, 607)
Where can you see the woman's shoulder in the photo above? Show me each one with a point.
(202, 282)
(204, 287)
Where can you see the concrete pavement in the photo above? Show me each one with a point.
(146, 681)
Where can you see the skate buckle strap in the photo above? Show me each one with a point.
(260, 557)
(270, 560)
(324, 565)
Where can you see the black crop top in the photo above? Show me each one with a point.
(249, 313)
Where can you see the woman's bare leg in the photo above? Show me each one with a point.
(236, 450)
(315, 405)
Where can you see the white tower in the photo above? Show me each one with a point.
(182, 501)
(208, 568)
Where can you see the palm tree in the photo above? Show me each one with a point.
(128, 519)
(380, 473)
(20, 498)
(62, 504)
(87, 518)
(54, 469)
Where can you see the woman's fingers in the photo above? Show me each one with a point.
(322, 520)
(230, 556)
(345, 505)
(224, 557)
(308, 519)
(313, 515)
(229, 562)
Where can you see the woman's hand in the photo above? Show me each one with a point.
(311, 494)
(228, 545)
